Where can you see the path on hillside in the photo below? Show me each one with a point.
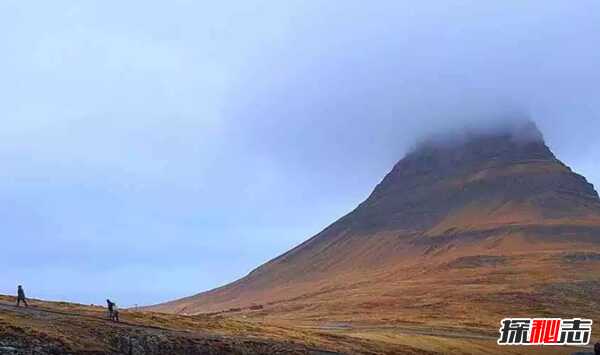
(407, 330)
(348, 328)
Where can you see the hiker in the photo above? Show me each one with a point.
(111, 306)
(21, 296)
(113, 311)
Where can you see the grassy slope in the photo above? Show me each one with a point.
(57, 327)
(78, 329)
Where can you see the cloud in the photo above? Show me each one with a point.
(189, 133)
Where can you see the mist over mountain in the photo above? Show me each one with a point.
(519, 129)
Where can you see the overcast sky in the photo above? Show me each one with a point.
(152, 150)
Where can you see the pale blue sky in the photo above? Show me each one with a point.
(152, 150)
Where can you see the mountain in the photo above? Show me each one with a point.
(468, 228)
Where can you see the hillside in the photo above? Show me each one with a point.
(65, 328)
(462, 231)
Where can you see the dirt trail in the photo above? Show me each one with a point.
(349, 329)
(407, 330)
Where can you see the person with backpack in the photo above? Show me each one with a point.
(21, 296)
(113, 311)
(111, 306)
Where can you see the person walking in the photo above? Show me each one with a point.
(21, 296)
(111, 306)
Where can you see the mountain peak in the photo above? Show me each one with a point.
(493, 190)
(489, 176)
(518, 142)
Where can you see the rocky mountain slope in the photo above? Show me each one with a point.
(463, 230)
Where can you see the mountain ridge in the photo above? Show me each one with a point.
(493, 194)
